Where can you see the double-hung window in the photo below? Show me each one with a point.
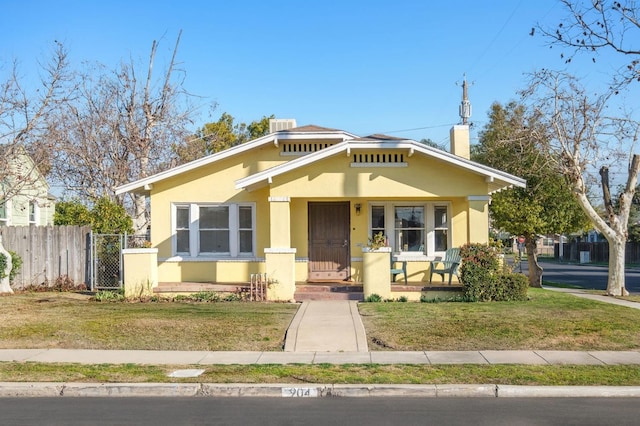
(182, 223)
(214, 230)
(33, 212)
(409, 229)
(4, 218)
(412, 228)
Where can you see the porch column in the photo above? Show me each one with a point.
(280, 258)
(376, 272)
(140, 272)
(478, 215)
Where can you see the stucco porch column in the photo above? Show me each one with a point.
(280, 258)
(478, 215)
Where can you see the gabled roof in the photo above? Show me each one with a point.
(496, 179)
(303, 132)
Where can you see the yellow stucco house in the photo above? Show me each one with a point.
(300, 204)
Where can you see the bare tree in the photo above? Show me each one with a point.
(23, 117)
(600, 24)
(588, 145)
(120, 129)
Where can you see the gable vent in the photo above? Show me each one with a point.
(278, 124)
(301, 148)
(378, 158)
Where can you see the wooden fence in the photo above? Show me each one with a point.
(598, 252)
(49, 253)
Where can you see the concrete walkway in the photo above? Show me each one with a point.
(327, 326)
(598, 297)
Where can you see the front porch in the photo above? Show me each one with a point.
(141, 278)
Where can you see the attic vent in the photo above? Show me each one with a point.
(378, 159)
(277, 124)
(301, 148)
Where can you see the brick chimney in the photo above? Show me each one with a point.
(459, 136)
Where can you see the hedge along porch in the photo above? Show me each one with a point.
(300, 204)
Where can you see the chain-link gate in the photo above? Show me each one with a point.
(106, 261)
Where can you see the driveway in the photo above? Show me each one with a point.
(584, 275)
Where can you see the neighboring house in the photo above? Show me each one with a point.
(301, 203)
(24, 192)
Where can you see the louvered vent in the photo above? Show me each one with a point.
(304, 147)
(378, 158)
(277, 124)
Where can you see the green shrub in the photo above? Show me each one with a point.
(109, 296)
(403, 299)
(232, 297)
(513, 287)
(16, 264)
(482, 277)
(374, 298)
(206, 296)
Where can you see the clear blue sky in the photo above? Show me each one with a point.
(362, 66)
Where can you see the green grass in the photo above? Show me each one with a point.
(549, 320)
(68, 320)
(330, 374)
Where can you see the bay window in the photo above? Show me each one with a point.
(214, 230)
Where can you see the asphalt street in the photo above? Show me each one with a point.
(585, 275)
(319, 411)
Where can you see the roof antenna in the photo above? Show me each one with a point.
(465, 105)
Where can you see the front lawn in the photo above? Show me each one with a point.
(549, 320)
(72, 321)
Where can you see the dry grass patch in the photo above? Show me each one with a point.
(549, 320)
(67, 320)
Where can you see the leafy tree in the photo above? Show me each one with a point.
(511, 142)
(105, 217)
(109, 217)
(218, 136)
(71, 213)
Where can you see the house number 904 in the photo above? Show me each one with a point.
(299, 392)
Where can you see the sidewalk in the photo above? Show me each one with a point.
(591, 296)
(489, 357)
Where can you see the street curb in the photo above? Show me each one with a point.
(217, 390)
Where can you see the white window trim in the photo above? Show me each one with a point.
(194, 234)
(429, 207)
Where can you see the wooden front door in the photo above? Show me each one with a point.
(329, 241)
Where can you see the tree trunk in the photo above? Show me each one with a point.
(616, 282)
(140, 214)
(535, 270)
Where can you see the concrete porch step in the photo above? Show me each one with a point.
(325, 295)
(328, 291)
